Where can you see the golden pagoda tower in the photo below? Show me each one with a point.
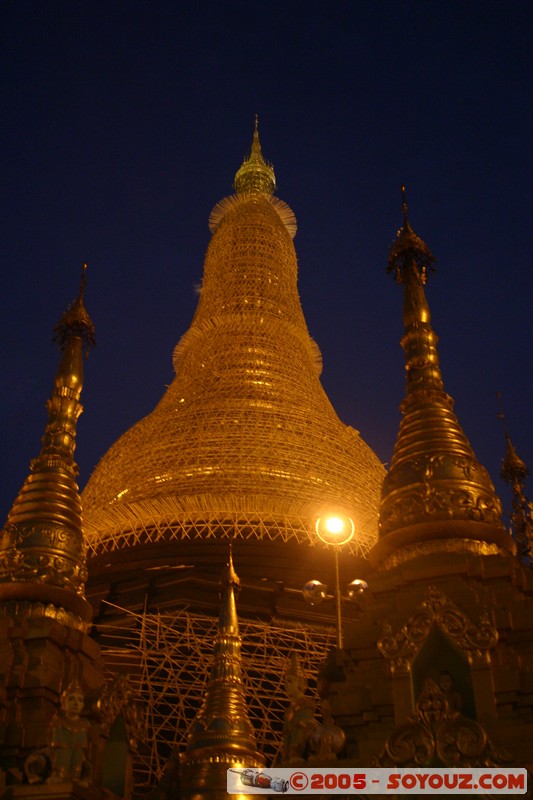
(436, 496)
(44, 615)
(244, 445)
(221, 737)
(447, 621)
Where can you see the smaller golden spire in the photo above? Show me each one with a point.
(222, 735)
(42, 553)
(514, 472)
(514, 469)
(255, 174)
(436, 491)
(231, 585)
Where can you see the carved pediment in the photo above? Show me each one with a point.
(439, 737)
(436, 610)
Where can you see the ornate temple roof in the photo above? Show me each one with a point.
(244, 442)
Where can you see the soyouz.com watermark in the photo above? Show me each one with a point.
(409, 780)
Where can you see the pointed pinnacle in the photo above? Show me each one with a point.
(513, 467)
(228, 576)
(76, 321)
(222, 726)
(255, 174)
(404, 204)
(514, 470)
(409, 249)
(230, 585)
(433, 461)
(43, 541)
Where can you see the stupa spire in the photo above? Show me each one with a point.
(222, 735)
(42, 542)
(255, 174)
(514, 472)
(436, 495)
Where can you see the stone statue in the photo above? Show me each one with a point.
(68, 739)
(300, 724)
(447, 686)
(328, 739)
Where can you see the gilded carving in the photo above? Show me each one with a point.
(436, 610)
(68, 739)
(66, 757)
(438, 736)
(118, 697)
(300, 724)
(428, 466)
(32, 554)
(436, 546)
(438, 501)
(23, 610)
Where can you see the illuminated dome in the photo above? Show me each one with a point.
(244, 442)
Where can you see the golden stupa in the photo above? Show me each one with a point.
(438, 669)
(244, 444)
(42, 552)
(436, 497)
(435, 668)
(221, 737)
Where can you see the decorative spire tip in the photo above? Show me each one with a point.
(409, 248)
(83, 282)
(76, 321)
(404, 206)
(255, 174)
(229, 577)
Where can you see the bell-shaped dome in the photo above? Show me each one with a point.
(244, 442)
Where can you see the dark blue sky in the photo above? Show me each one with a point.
(123, 123)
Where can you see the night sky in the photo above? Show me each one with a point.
(123, 124)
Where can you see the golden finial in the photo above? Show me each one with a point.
(436, 490)
(222, 735)
(228, 576)
(409, 250)
(255, 174)
(230, 586)
(514, 470)
(42, 541)
(404, 204)
(76, 321)
(256, 146)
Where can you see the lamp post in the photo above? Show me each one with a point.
(336, 529)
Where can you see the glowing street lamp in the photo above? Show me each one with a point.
(336, 529)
